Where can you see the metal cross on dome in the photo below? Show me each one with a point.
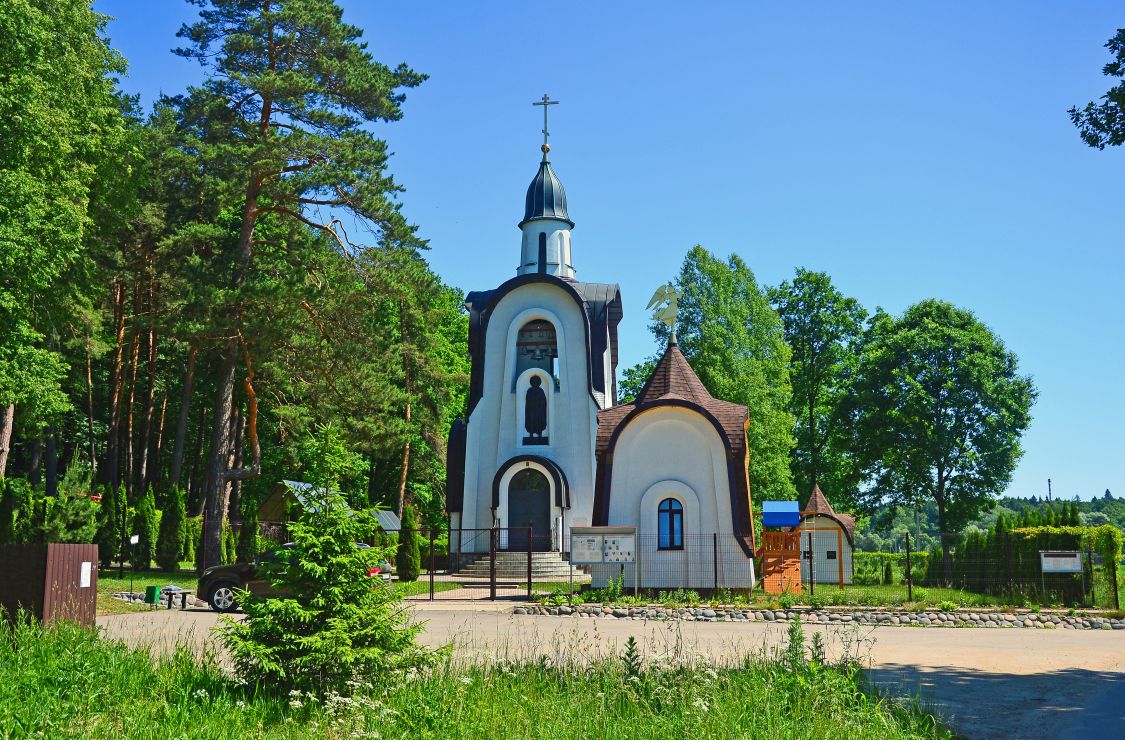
(546, 101)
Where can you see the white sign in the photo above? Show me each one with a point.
(134, 539)
(1066, 561)
(620, 548)
(585, 549)
(84, 575)
(603, 544)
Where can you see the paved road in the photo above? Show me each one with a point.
(988, 683)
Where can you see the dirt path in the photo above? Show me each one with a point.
(988, 683)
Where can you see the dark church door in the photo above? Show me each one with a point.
(529, 505)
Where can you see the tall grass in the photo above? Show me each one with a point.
(65, 682)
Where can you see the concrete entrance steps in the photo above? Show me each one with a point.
(544, 566)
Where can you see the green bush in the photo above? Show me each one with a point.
(339, 627)
(112, 529)
(193, 533)
(408, 558)
(173, 527)
(230, 543)
(248, 547)
(888, 575)
(8, 508)
(146, 528)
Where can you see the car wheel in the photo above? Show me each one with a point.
(222, 598)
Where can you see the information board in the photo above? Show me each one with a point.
(620, 548)
(603, 544)
(1061, 561)
(585, 548)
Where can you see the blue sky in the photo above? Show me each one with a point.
(909, 151)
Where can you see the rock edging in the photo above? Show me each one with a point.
(886, 618)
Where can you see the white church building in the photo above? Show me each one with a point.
(545, 444)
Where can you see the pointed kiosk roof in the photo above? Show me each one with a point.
(818, 505)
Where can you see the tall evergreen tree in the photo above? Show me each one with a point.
(735, 342)
(291, 90)
(173, 529)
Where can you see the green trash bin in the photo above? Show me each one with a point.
(152, 594)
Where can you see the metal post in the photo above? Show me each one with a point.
(1116, 596)
(909, 572)
(812, 566)
(432, 563)
(493, 536)
(1008, 558)
(1090, 565)
(530, 535)
(715, 558)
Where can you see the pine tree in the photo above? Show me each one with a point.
(173, 528)
(113, 516)
(408, 559)
(145, 527)
(290, 96)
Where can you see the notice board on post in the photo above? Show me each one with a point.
(590, 545)
(1060, 561)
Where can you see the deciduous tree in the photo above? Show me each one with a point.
(941, 407)
(823, 329)
(1103, 124)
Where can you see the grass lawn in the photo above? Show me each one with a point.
(422, 586)
(924, 597)
(110, 581)
(65, 682)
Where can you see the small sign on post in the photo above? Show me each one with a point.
(1060, 561)
(600, 545)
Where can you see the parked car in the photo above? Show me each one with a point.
(219, 584)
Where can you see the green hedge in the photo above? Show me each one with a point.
(869, 568)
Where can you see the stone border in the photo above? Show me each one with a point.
(959, 618)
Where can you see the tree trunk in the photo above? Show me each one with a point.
(195, 497)
(213, 508)
(813, 457)
(946, 555)
(90, 417)
(182, 421)
(149, 412)
(405, 468)
(153, 477)
(234, 502)
(52, 464)
(7, 419)
(112, 464)
(127, 473)
(35, 466)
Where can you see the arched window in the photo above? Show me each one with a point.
(670, 525)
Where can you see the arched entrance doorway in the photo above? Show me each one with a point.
(529, 505)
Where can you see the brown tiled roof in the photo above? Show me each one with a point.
(818, 505)
(673, 380)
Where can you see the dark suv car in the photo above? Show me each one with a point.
(218, 584)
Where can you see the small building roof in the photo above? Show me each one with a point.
(818, 505)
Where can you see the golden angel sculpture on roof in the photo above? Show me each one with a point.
(665, 301)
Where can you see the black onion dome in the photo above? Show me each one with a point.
(545, 197)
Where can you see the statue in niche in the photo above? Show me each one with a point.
(535, 413)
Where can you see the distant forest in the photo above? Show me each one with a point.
(885, 530)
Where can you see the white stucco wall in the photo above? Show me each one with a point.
(495, 431)
(827, 535)
(671, 452)
(558, 248)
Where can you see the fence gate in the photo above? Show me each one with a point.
(509, 563)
